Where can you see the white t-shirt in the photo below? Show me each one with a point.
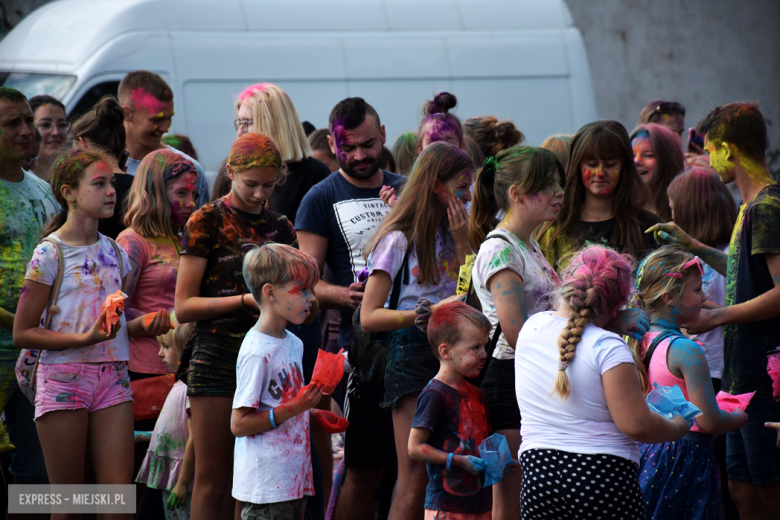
(389, 255)
(539, 279)
(90, 274)
(582, 423)
(714, 286)
(275, 465)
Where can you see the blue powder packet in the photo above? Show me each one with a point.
(668, 401)
(495, 451)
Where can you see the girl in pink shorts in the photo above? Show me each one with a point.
(83, 397)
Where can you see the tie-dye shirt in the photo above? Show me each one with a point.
(223, 234)
(745, 345)
(25, 207)
(389, 255)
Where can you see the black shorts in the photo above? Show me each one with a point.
(212, 370)
(499, 389)
(369, 439)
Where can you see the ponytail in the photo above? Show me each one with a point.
(529, 169)
(484, 206)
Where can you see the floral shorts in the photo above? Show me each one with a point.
(73, 386)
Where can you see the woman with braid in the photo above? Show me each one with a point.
(581, 400)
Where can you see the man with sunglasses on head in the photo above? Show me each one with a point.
(670, 114)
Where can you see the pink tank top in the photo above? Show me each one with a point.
(659, 371)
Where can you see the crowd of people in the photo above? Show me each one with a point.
(452, 326)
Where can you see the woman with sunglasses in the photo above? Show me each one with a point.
(266, 109)
(680, 479)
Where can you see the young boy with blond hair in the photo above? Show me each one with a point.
(451, 419)
(272, 473)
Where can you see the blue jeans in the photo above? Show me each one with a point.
(751, 452)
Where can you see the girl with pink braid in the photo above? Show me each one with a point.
(581, 400)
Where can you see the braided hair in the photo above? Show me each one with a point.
(596, 283)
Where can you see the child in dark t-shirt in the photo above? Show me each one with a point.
(451, 419)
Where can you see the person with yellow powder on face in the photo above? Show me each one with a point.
(735, 138)
(147, 101)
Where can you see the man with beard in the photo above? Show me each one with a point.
(147, 101)
(335, 221)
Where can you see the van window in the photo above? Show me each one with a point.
(92, 96)
(54, 85)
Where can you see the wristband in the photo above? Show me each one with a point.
(271, 417)
(449, 461)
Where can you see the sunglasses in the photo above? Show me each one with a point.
(669, 107)
(687, 265)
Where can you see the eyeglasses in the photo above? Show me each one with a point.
(669, 107)
(46, 126)
(243, 123)
(690, 263)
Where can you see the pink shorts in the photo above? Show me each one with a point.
(72, 386)
(445, 515)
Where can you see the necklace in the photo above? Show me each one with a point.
(598, 219)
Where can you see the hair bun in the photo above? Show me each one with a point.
(442, 103)
(109, 112)
(506, 134)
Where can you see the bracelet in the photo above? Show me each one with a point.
(273, 420)
(449, 461)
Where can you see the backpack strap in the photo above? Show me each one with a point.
(675, 335)
(55, 289)
(120, 262)
(491, 348)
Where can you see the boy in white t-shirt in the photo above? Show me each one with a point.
(272, 473)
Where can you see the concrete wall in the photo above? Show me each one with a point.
(702, 53)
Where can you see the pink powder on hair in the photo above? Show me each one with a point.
(143, 100)
(250, 91)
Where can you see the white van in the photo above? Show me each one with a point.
(518, 59)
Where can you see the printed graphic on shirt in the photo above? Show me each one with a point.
(358, 220)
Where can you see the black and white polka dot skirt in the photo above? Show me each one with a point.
(559, 485)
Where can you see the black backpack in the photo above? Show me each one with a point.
(367, 352)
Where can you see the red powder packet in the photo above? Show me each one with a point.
(729, 403)
(329, 421)
(114, 307)
(328, 370)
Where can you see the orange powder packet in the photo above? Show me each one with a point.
(328, 370)
(114, 307)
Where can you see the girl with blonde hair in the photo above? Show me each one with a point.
(680, 478)
(581, 400)
(266, 109)
(160, 202)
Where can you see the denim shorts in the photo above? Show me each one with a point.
(410, 364)
(212, 370)
(499, 389)
(751, 451)
(73, 386)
